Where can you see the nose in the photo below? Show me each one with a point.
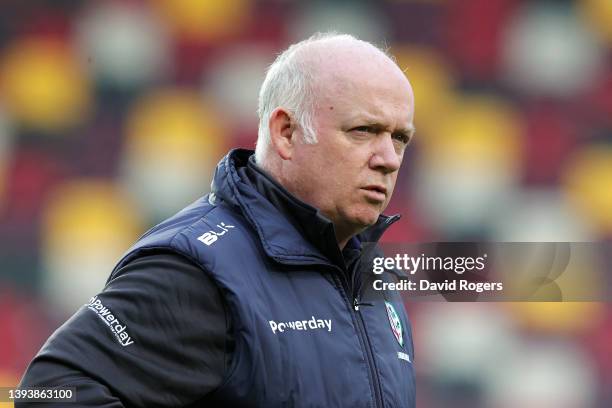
(385, 157)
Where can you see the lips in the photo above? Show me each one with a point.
(376, 187)
(376, 192)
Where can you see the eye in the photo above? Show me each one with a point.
(367, 129)
(401, 137)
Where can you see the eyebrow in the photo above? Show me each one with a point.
(408, 131)
(374, 121)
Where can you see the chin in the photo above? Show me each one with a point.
(366, 218)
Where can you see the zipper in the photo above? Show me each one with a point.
(363, 340)
(368, 347)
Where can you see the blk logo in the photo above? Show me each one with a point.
(209, 238)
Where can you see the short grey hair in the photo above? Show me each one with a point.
(289, 83)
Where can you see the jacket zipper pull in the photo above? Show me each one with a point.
(357, 303)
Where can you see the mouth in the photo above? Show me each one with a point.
(376, 192)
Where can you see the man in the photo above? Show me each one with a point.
(252, 296)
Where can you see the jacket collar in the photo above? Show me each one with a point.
(290, 230)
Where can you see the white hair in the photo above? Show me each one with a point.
(289, 83)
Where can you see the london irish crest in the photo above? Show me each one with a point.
(395, 322)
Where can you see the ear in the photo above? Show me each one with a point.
(282, 133)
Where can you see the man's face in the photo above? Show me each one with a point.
(363, 122)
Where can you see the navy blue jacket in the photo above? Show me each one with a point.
(303, 333)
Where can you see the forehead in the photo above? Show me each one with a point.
(370, 95)
(359, 80)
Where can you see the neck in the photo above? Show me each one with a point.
(342, 244)
(274, 169)
(344, 235)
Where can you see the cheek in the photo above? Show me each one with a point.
(313, 181)
(392, 185)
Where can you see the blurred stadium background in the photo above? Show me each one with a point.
(113, 113)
